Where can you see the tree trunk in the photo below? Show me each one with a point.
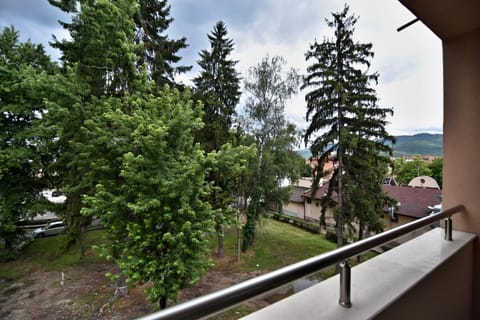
(83, 240)
(220, 252)
(360, 236)
(163, 303)
(339, 219)
(9, 247)
(239, 245)
(121, 289)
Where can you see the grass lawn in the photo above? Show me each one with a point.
(48, 253)
(277, 244)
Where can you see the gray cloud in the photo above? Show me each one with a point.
(36, 20)
(38, 13)
(406, 61)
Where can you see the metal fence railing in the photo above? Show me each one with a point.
(221, 300)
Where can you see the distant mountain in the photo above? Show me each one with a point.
(419, 144)
(305, 153)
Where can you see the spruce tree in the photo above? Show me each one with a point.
(156, 50)
(346, 124)
(21, 176)
(218, 86)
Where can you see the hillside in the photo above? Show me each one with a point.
(421, 144)
(418, 144)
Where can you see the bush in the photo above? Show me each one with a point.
(331, 236)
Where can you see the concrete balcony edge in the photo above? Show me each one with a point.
(376, 283)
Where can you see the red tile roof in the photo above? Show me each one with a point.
(297, 194)
(414, 202)
(321, 192)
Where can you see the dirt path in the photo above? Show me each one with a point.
(87, 294)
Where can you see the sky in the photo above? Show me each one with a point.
(409, 62)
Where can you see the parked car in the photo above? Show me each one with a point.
(50, 229)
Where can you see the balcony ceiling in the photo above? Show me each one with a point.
(446, 18)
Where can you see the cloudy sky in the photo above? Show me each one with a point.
(409, 62)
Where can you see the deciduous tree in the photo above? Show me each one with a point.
(153, 208)
(269, 88)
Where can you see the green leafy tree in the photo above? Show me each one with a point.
(405, 171)
(100, 47)
(228, 167)
(436, 169)
(21, 179)
(218, 87)
(345, 121)
(269, 88)
(153, 208)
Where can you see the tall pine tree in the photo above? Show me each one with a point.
(155, 49)
(218, 86)
(21, 178)
(346, 124)
(99, 61)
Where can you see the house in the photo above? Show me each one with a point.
(295, 206)
(413, 203)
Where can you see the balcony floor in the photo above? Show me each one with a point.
(419, 268)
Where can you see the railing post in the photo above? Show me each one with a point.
(345, 279)
(448, 228)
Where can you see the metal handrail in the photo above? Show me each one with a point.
(221, 300)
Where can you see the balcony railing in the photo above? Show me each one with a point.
(221, 300)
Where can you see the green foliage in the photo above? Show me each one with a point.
(436, 169)
(21, 66)
(227, 169)
(98, 62)
(156, 51)
(405, 171)
(346, 125)
(218, 87)
(101, 46)
(150, 189)
(142, 22)
(269, 88)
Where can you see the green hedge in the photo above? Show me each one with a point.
(306, 225)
